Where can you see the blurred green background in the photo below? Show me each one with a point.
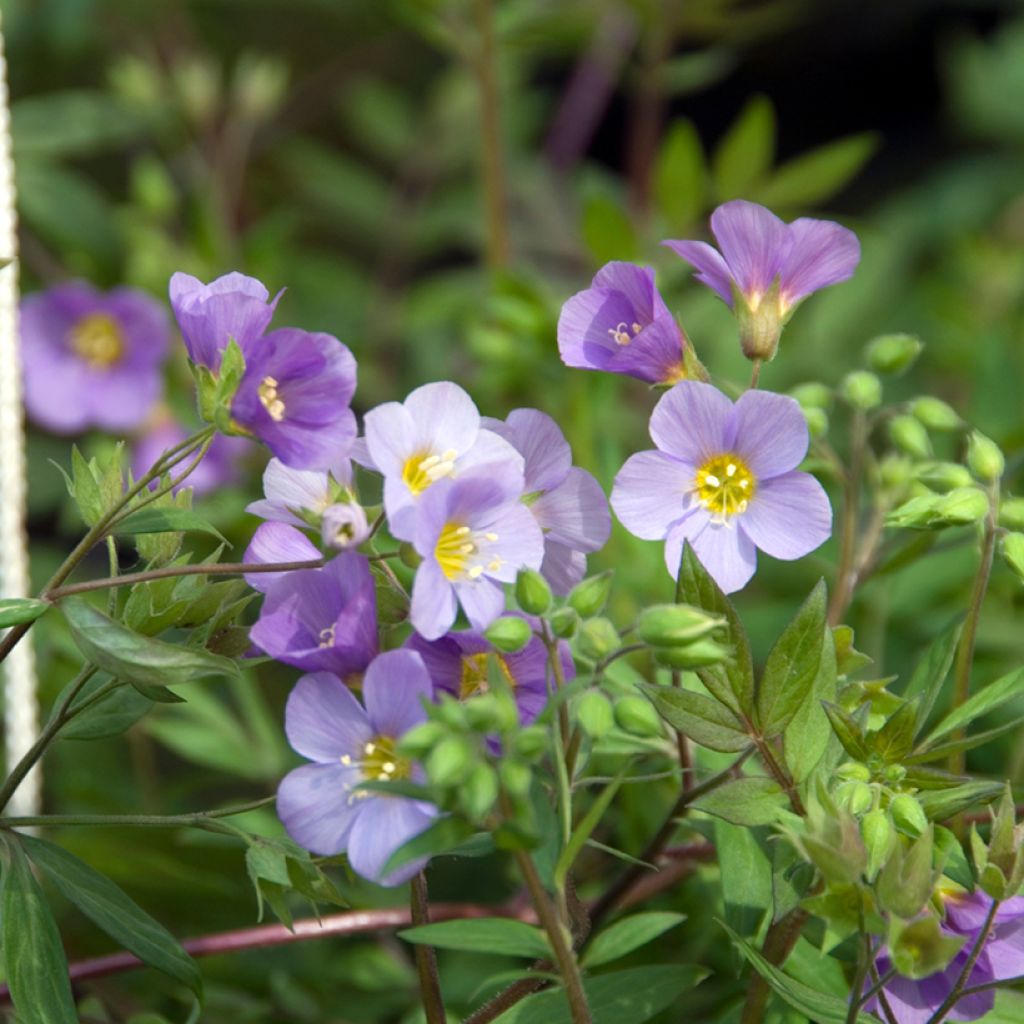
(431, 179)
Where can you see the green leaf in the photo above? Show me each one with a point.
(71, 123)
(978, 739)
(809, 732)
(950, 854)
(86, 487)
(130, 656)
(157, 694)
(628, 934)
(607, 230)
(680, 176)
(896, 738)
(37, 969)
(747, 801)
(167, 520)
(704, 720)
(744, 156)
(499, 935)
(733, 682)
(16, 611)
(817, 1006)
(745, 863)
(941, 804)
(110, 909)
(633, 995)
(930, 673)
(982, 703)
(792, 665)
(446, 834)
(815, 177)
(581, 833)
(109, 716)
(848, 729)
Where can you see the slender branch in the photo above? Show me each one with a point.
(198, 818)
(879, 988)
(961, 983)
(492, 149)
(842, 593)
(778, 944)
(861, 972)
(426, 959)
(755, 374)
(879, 984)
(780, 775)
(989, 985)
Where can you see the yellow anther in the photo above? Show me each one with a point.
(98, 339)
(267, 392)
(724, 485)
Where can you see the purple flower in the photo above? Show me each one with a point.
(221, 466)
(724, 479)
(767, 267)
(567, 502)
(319, 803)
(317, 618)
(435, 433)
(620, 324)
(294, 397)
(459, 662)
(913, 1001)
(277, 542)
(209, 315)
(473, 535)
(92, 359)
(300, 496)
(344, 526)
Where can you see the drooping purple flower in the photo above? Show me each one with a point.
(473, 535)
(210, 315)
(914, 1001)
(620, 324)
(724, 478)
(766, 267)
(294, 397)
(220, 467)
(459, 664)
(566, 501)
(320, 804)
(434, 434)
(90, 358)
(318, 619)
(273, 543)
(301, 496)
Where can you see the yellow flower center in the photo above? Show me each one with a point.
(457, 546)
(267, 392)
(620, 332)
(423, 469)
(724, 485)
(97, 338)
(475, 671)
(380, 762)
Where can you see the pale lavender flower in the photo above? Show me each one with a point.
(301, 496)
(275, 542)
(210, 315)
(767, 267)
(220, 467)
(434, 434)
(90, 358)
(294, 397)
(321, 804)
(318, 618)
(724, 479)
(473, 535)
(620, 324)
(344, 526)
(915, 1000)
(566, 501)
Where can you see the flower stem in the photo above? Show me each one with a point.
(961, 983)
(778, 944)
(842, 593)
(780, 775)
(755, 374)
(197, 819)
(426, 960)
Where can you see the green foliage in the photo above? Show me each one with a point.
(628, 934)
(497, 935)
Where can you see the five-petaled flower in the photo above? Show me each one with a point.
(724, 478)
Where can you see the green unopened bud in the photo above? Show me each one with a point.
(812, 395)
(409, 555)
(699, 654)
(963, 505)
(906, 881)
(817, 422)
(935, 414)
(671, 624)
(516, 777)
(907, 814)
(492, 712)
(533, 592)
(920, 513)
(855, 796)
(450, 762)
(590, 595)
(595, 715)
(863, 390)
(451, 711)
(893, 353)
(479, 792)
(921, 948)
(1013, 552)
(597, 639)
(877, 832)
(509, 633)
(943, 476)
(894, 774)
(910, 437)
(1011, 513)
(984, 458)
(564, 622)
(637, 716)
(854, 771)
(531, 742)
(895, 472)
(421, 739)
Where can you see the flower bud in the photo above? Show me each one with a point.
(920, 513)
(533, 592)
(1011, 513)
(421, 739)
(509, 633)
(943, 476)
(910, 437)
(877, 832)
(409, 555)
(515, 777)
(906, 882)
(817, 422)
(984, 458)
(595, 715)
(935, 414)
(672, 624)
(863, 390)
(854, 771)
(812, 395)
(894, 774)
(907, 814)
(480, 791)
(895, 471)
(597, 638)
(855, 796)
(492, 712)
(921, 948)
(531, 742)
(450, 762)
(760, 324)
(963, 505)
(637, 716)
(1013, 552)
(696, 655)
(564, 622)
(344, 526)
(588, 597)
(893, 353)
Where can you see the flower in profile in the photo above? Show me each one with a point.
(220, 467)
(316, 619)
(274, 543)
(915, 1000)
(210, 315)
(294, 397)
(620, 324)
(301, 496)
(90, 358)
(434, 434)
(321, 804)
(724, 478)
(566, 501)
(766, 267)
(473, 535)
(344, 526)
